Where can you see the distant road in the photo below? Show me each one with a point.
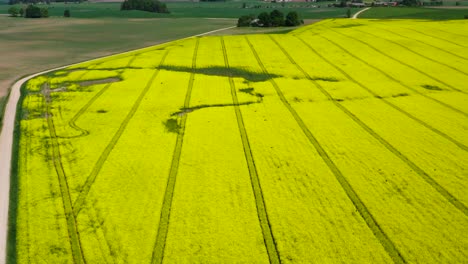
(355, 16)
(6, 145)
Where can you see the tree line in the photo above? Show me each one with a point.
(144, 5)
(274, 19)
(31, 11)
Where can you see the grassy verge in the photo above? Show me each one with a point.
(14, 183)
(3, 101)
(414, 12)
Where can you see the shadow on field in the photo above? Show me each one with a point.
(186, 110)
(223, 71)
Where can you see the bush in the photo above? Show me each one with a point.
(292, 19)
(144, 5)
(276, 18)
(264, 19)
(66, 13)
(44, 12)
(13, 11)
(32, 11)
(411, 2)
(245, 21)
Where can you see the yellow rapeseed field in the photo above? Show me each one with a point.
(341, 142)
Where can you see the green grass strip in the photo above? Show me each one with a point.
(66, 199)
(158, 251)
(353, 196)
(268, 237)
(454, 201)
(363, 86)
(105, 154)
(394, 79)
(402, 62)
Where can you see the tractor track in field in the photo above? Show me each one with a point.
(83, 132)
(396, 80)
(431, 36)
(435, 130)
(262, 213)
(441, 190)
(448, 32)
(72, 122)
(387, 244)
(419, 54)
(105, 154)
(73, 233)
(158, 250)
(420, 41)
(399, 61)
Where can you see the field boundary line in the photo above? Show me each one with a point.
(435, 130)
(355, 16)
(80, 200)
(396, 80)
(262, 213)
(439, 38)
(8, 129)
(420, 41)
(441, 190)
(73, 233)
(399, 61)
(163, 228)
(367, 216)
(419, 54)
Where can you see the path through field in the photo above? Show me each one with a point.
(355, 16)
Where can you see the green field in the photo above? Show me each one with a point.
(343, 141)
(230, 9)
(415, 12)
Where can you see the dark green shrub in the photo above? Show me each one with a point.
(264, 19)
(292, 19)
(32, 11)
(244, 21)
(13, 11)
(277, 18)
(144, 5)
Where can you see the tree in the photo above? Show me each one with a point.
(144, 5)
(276, 18)
(13, 11)
(44, 12)
(264, 19)
(411, 2)
(244, 21)
(292, 19)
(32, 11)
(66, 13)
